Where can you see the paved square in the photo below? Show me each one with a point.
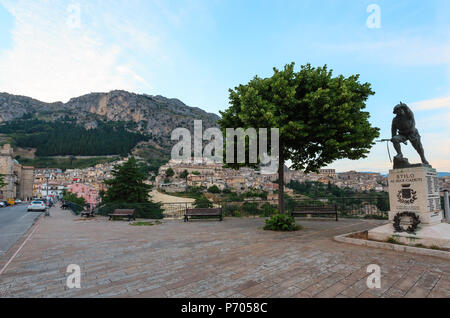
(233, 258)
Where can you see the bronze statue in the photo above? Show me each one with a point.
(404, 129)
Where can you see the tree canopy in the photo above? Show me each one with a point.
(170, 173)
(320, 116)
(184, 174)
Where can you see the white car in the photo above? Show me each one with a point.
(18, 202)
(2, 204)
(37, 206)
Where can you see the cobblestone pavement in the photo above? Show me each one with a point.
(233, 258)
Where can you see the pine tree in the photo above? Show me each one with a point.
(127, 185)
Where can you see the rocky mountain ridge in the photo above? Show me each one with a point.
(154, 115)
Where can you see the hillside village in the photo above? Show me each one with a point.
(245, 179)
(89, 182)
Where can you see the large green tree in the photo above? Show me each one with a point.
(128, 184)
(320, 116)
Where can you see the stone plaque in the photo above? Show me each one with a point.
(415, 190)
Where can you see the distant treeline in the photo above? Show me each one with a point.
(64, 163)
(62, 138)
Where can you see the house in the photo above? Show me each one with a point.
(89, 193)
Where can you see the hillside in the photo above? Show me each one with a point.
(97, 124)
(62, 138)
(155, 115)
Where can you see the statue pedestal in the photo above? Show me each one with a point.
(415, 190)
(414, 196)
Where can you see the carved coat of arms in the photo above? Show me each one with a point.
(406, 195)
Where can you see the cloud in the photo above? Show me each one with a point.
(437, 103)
(51, 60)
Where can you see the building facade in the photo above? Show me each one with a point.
(18, 178)
(89, 193)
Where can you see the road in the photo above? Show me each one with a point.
(14, 223)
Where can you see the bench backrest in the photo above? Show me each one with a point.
(124, 211)
(317, 208)
(204, 211)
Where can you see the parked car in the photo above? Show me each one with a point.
(37, 206)
(2, 204)
(5, 203)
(18, 201)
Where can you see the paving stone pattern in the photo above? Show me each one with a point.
(207, 258)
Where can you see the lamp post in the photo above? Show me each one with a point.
(446, 206)
(47, 176)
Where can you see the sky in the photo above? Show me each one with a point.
(195, 50)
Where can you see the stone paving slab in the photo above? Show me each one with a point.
(202, 258)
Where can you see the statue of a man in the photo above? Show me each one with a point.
(404, 129)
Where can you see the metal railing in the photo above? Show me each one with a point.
(360, 207)
(176, 210)
(353, 207)
(75, 208)
(367, 207)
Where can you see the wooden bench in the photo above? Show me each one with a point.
(316, 210)
(203, 212)
(123, 213)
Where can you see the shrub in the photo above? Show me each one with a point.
(231, 210)
(71, 197)
(214, 189)
(281, 222)
(170, 173)
(393, 240)
(203, 202)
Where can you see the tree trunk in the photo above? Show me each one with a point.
(281, 182)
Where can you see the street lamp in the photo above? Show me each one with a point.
(47, 176)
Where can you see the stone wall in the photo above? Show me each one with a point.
(19, 179)
(25, 189)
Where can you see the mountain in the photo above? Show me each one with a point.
(153, 114)
(89, 120)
